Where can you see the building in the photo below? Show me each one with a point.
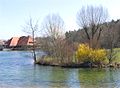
(2, 44)
(25, 41)
(19, 42)
(12, 42)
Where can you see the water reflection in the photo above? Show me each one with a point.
(17, 70)
(56, 77)
(98, 78)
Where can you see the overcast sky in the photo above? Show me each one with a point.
(15, 13)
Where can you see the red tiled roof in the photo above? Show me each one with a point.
(20, 41)
(30, 41)
(13, 41)
(25, 41)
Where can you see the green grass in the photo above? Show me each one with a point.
(117, 54)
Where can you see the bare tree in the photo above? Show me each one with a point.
(31, 27)
(53, 27)
(90, 19)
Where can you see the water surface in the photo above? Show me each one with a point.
(18, 71)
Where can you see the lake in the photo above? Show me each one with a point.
(18, 71)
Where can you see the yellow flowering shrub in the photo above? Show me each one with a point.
(98, 55)
(85, 53)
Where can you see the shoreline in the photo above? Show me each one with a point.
(74, 65)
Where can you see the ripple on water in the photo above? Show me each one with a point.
(18, 71)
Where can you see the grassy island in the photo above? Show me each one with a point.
(84, 57)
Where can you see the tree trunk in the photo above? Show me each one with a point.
(34, 54)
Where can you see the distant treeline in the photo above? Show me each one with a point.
(110, 35)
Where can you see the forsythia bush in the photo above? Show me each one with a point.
(85, 53)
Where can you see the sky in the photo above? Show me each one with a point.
(15, 13)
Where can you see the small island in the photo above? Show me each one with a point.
(95, 44)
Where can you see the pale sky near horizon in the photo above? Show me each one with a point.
(15, 13)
